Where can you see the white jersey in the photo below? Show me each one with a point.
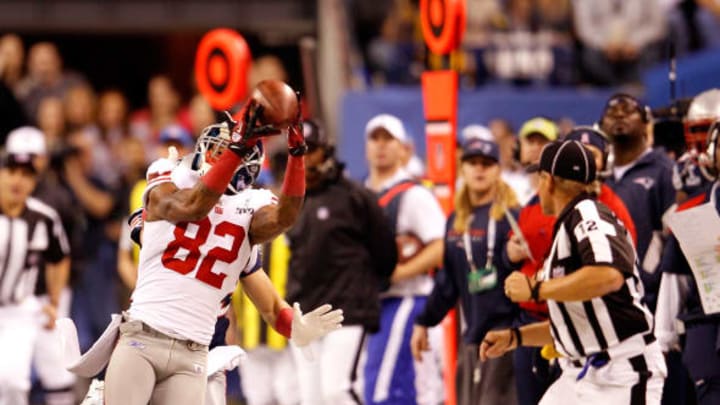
(419, 214)
(186, 269)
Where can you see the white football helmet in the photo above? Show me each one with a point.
(702, 112)
(213, 140)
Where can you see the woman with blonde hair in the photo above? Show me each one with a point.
(474, 271)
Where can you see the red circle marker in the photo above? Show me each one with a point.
(218, 70)
(443, 24)
(436, 12)
(222, 61)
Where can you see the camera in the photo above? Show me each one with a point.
(669, 129)
(60, 155)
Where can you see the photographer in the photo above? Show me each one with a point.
(96, 293)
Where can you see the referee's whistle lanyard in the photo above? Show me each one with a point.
(484, 279)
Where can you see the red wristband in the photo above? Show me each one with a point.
(283, 322)
(294, 183)
(221, 172)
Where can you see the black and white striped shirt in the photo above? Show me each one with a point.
(28, 242)
(586, 234)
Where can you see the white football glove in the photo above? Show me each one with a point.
(314, 324)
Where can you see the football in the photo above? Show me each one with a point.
(280, 104)
(408, 246)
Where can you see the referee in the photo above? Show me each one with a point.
(32, 244)
(597, 322)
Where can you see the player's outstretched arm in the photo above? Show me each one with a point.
(170, 203)
(264, 296)
(166, 201)
(289, 322)
(272, 220)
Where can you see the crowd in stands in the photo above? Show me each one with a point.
(97, 150)
(548, 42)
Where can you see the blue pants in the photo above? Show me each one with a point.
(95, 297)
(390, 370)
(702, 359)
(676, 387)
(533, 374)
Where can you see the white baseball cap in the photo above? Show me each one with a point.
(477, 131)
(390, 123)
(26, 140)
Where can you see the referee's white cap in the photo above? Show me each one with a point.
(26, 141)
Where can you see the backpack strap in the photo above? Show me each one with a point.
(390, 198)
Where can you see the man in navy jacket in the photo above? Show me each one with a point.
(642, 178)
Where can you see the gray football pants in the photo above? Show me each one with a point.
(150, 367)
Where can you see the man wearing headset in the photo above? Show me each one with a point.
(642, 178)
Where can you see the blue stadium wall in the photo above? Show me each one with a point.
(695, 73)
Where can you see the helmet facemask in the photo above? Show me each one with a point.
(248, 172)
(710, 157)
(702, 113)
(212, 142)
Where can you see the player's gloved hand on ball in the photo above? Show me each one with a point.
(315, 324)
(241, 133)
(296, 135)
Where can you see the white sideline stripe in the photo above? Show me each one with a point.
(382, 388)
(438, 128)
